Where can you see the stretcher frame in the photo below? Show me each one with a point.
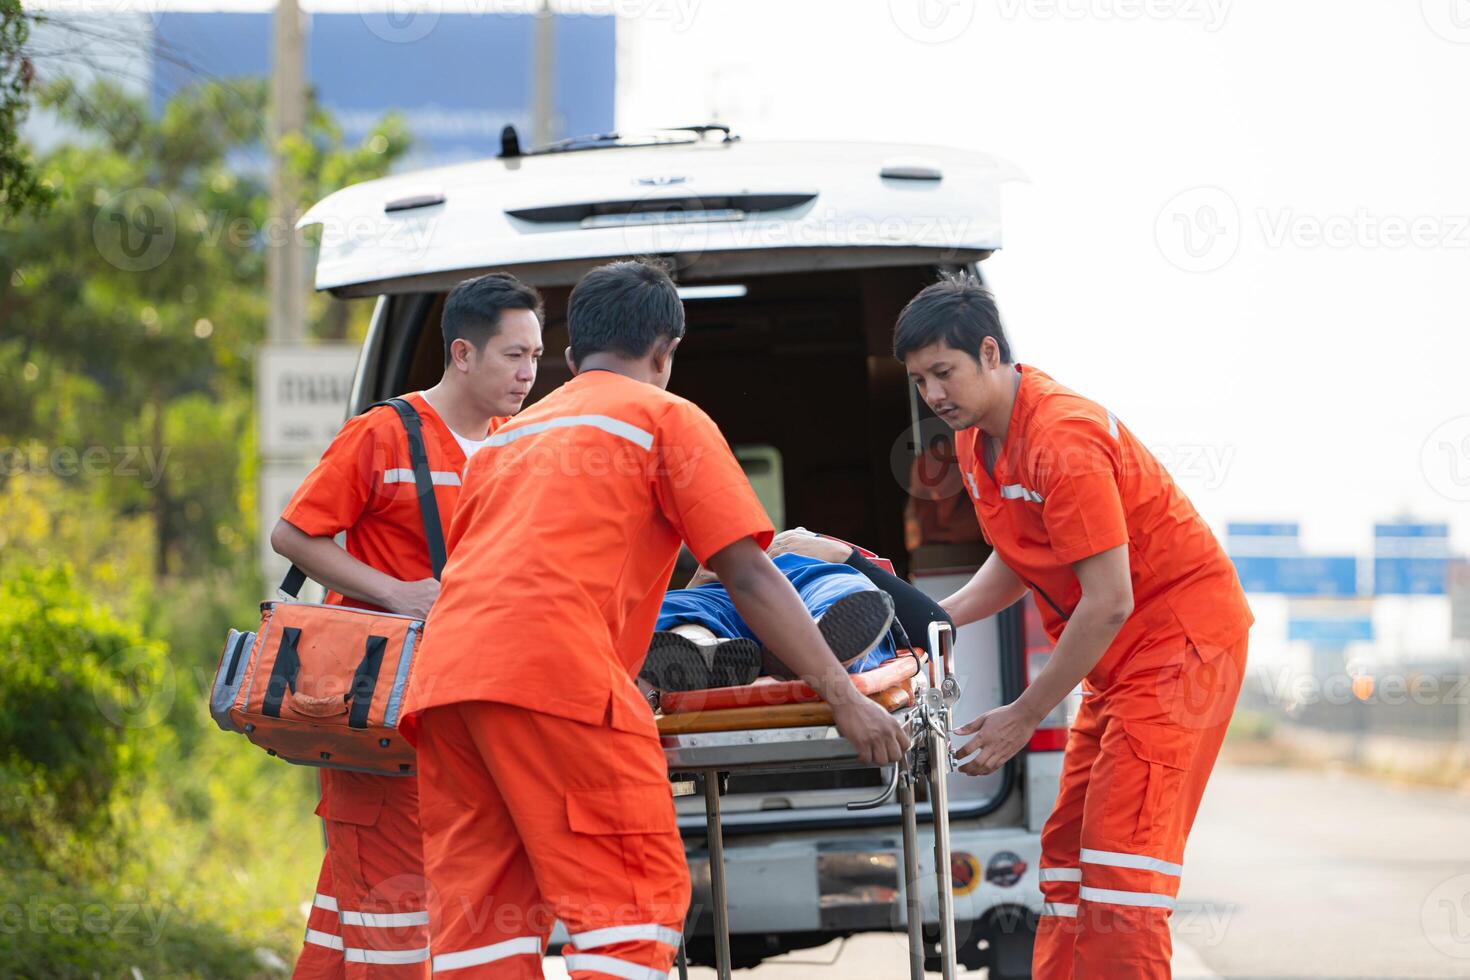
(714, 755)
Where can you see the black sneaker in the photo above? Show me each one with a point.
(856, 623)
(677, 663)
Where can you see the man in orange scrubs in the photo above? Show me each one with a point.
(544, 790)
(368, 919)
(1144, 608)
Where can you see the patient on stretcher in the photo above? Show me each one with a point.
(702, 642)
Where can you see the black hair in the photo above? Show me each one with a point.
(472, 311)
(623, 308)
(957, 310)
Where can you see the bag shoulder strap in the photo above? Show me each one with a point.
(423, 484)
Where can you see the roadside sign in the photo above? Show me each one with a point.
(1300, 575)
(277, 482)
(301, 397)
(1410, 558)
(1330, 622)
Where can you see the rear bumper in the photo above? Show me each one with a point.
(854, 882)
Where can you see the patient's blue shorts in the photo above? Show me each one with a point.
(819, 583)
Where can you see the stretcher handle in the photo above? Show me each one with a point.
(941, 645)
(878, 801)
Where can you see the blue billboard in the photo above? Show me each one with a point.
(1411, 558)
(456, 78)
(1298, 575)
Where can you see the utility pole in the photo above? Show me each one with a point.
(543, 122)
(285, 267)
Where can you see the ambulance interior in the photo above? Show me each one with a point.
(798, 372)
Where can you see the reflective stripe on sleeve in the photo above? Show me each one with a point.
(519, 946)
(1107, 896)
(1060, 909)
(606, 423)
(386, 956)
(626, 934)
(325, 902)
(1112, 425)
(440, 478)
(319, 938)
(384, 920)
(1122, 859)
(1059, 874)
(1014, 491)
(613, 966)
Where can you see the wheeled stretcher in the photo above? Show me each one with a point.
(746, 745)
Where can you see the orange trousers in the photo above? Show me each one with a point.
(529, 818)
(369, 919)
(1137, 760)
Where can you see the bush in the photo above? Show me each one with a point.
(79, 697)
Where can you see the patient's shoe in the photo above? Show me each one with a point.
(856, 623)
(696, 659)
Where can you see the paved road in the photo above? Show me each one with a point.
(1290, 874)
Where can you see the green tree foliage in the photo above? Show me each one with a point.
(130, 314)
(20, 188)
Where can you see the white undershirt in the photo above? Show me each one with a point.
(470, 446)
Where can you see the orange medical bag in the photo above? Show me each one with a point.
(322, 685)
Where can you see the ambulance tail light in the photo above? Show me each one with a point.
(1051, 734)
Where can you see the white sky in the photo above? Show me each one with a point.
(1295, 380)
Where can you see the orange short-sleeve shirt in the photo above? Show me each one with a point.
(364, 486)
(1071, 481)
(562, 546)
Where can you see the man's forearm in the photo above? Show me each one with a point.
(992, 588)
(325, 561)
(1087, 636)
(774, 611)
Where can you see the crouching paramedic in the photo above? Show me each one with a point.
(1142, 604)
(368, 918)
(544, 794)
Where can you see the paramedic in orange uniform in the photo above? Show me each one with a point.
(369, 916)
(1144, 608)
(544, 793)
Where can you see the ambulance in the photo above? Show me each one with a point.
(793, 260)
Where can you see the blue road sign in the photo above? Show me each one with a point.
(1411, 558)
(1410, 576)
(456, 78)
(1300, 575)
(1329, 632)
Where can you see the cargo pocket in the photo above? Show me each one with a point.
(624, 837)
(1150, 789)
